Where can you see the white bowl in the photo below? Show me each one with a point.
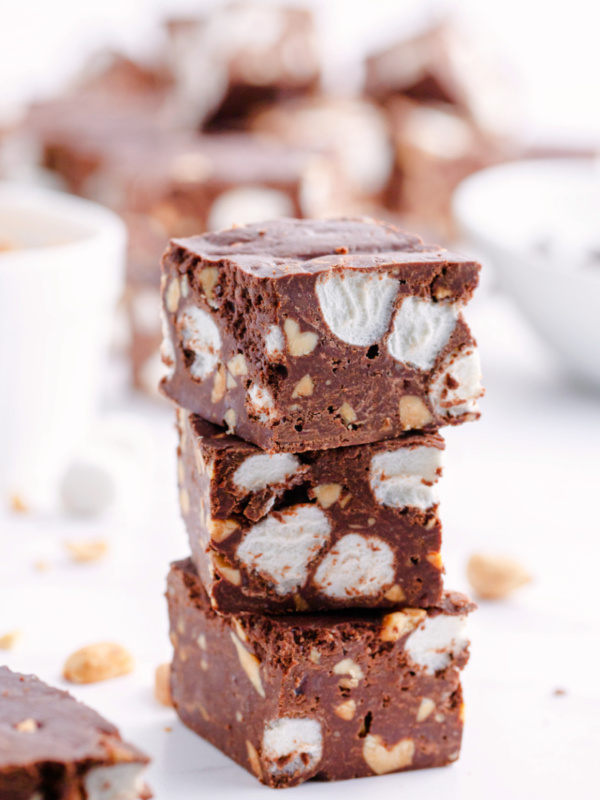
(58, 289)
(539, 223)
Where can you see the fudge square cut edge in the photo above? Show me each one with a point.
(53, 746)
(310, 334)
(280, 532)
(323, 696)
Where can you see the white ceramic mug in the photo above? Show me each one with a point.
(61, 274)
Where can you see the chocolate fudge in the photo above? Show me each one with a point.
(241, 57)
(327, 696)
(279, 532)
(52, 746)
(305, 335)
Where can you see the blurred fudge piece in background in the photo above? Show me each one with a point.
(448, 113)
(54, 746)
(239, 57)
(355, 133)
(435, 148)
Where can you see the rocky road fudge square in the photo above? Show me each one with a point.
(283, 532)
(324, 696)
(52, 746)
(310, 334)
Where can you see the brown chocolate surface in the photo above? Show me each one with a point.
(336, 543)
(326, 697)
(248, 287)
(49, 742)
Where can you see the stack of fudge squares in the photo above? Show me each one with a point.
(313, 363)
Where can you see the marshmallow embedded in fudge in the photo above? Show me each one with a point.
(351, 331)
(327, 696)
(292, 745)
(115, 782)
(406, 477)
(357, 565)
(281, 547)
(357, 306)
(279, 532)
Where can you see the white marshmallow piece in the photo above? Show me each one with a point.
(404, 477)
(117, 782)
(258, 472)
(261, 401)
(436, 640)
(248, 204)
(281, 547)
(88, 487)
(420, 331)
(357, 306)
(357, 566)
(292, 745)
(274, 343)
(200, 334)
(463, 369)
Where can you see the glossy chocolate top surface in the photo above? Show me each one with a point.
(287, 246)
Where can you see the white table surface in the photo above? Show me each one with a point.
(524, 481)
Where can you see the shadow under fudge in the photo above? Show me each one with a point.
(324, 696)
(349, 526)
(311, 334)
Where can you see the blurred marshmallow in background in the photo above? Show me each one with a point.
(109, 471)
